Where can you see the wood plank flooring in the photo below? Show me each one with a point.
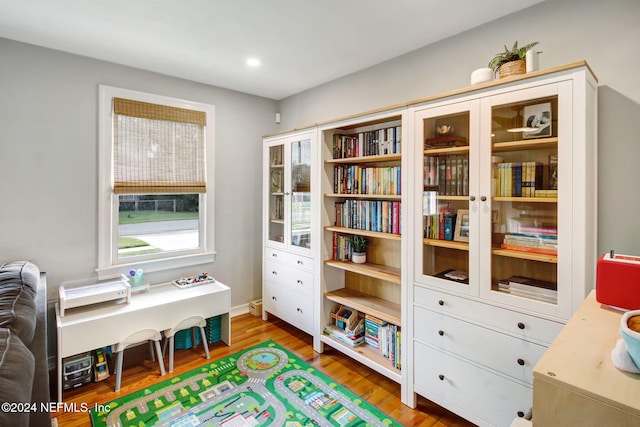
(246, 331)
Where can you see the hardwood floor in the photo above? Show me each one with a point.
(246, 331)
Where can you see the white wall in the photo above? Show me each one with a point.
(605, 34)
(49, 164)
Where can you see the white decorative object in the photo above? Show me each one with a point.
(531, 59)
(481, 75)
(359, 257)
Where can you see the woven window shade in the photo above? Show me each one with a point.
(158, 149)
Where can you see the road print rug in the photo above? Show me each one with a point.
(264, 385)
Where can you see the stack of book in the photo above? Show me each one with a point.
(546, 244)
(527, 287)
(383, 336)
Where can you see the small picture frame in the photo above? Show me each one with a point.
(538, 118)
(462, 226)
(276, 181)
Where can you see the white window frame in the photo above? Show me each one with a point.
(108, 263)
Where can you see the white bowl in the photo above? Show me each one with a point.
(481, 75)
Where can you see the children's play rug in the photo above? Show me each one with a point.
(264, 385)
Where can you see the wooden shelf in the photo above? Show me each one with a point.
(377, 271)
(382, 309)
(367, 355)
(365, 196)
(463, 246)
(366, 233)
(526, 255)
(527, 199)
(367, 159)
(525, 144)
(447, 150)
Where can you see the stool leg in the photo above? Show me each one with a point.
(119, 369)
(160, 361)
(171, 353)
(205, 343)
(153, 358)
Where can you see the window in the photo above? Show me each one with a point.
(156, 191)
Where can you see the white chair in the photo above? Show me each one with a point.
(136, 338)
(187, 323)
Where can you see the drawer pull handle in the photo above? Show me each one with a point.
(275, 273)
(274, 298)
(299, 282)
(274, 255)
(300, 262)
(521, 362)
(441, 333)
(520, 325)
(441, 377)
(299, 310)
(440, 302)
(520, 414)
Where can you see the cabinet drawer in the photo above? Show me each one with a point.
(294, 260)
(522, 325)
(504, 353)
(465, 388)
(290, 306)
(298, 280)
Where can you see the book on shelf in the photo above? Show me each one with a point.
(459, 276)
(553, 172)
(369, 143)
(445, 142)
(340, 335)
(356, 179)
(371, 215)
(535, 250)
(518, 179)
(528, 286)
(448, 174)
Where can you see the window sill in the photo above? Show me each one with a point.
(150, 266)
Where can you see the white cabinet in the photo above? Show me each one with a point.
(290, 206)
(503, 225)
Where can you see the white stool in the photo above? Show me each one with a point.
(187, 323)
(135, 338)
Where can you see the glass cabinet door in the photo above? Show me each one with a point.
(446, 189)
(276, 194)
(300, 179)
(524, 198)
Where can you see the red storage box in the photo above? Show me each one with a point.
(618, 281)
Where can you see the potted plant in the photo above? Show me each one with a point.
(511, 61)
(358, 249)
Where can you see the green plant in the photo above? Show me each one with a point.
(358, 244)
(514, 54)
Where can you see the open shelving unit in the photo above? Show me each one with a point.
(367, 179)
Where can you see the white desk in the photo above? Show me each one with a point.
(88, 328)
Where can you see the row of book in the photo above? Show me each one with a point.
(450, 174)
(373, 215)
(383, 336)
(546, 244)
(440, 226)
(370, 143)
(520, 179)
(355, 179)
(527, 287)
(342, 248)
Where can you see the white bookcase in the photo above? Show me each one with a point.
(486, 299)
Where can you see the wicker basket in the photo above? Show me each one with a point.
(511, 68)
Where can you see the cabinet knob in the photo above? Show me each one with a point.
(520, 325)
(441, 377)
(286, 194)
(520, 414)
(472, 198)
(299, 310)
(441, 333)
(440, 302)
(520, 362)
(483, 198)
(274, 255)
(299, 282)
(274, 298)
(275, 273)
(300, 262)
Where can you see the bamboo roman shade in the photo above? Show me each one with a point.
(158, 148)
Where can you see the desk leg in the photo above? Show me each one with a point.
(225, 328)
(59, 367)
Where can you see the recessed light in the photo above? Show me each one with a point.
(253, 62)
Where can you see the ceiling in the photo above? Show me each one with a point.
(299, 43)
